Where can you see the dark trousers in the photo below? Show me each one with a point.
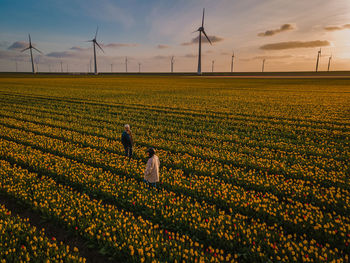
(128, 151)
(150, 184)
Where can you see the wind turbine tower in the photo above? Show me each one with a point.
(263, 65)
(201, 30)
(329, 62)
(212, 65)
(111, 68)
(61, 67)
(126, 64)
(232, 58)
(95, 43)
(318, 59)
(139, 67)
(172, 64)
(30, 47)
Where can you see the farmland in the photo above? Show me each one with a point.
(252, 170)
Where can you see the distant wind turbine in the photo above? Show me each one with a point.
(126, 64)
(94, 43)
(172, 64)
(232, 58)
(318, 59)
(61, 67)
(139, 67)
(212, 65)
(111, 68)
(30, 47)
(329, 62)
(201, 30)
(263, 66)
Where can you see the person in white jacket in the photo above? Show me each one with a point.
(152, 168)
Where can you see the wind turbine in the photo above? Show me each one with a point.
(263, 65)
(201, 30)
(212, 65)
(232, 58)
(61, 67)
(329, 61)
(318, 59)
(126, 64)
(172, 64)
(94, 43)
(30, 47)
(112, 68)
(139, 67)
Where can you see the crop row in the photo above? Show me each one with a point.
(244, 128)
(156, 112)
(325, 177)
(120, 234)
(331, 199)
(303, 218)
(22, 242)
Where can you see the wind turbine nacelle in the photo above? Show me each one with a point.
(201, 29)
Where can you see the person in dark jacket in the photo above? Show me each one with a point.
(127, 140)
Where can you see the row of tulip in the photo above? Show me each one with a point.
(315, 223)
(186, 117)
(229, 134)
(22, 242)
(272, 165)
(117, 233)
(255, 239)
(329, 198)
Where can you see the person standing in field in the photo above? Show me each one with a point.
(152, 169)
(127, 140)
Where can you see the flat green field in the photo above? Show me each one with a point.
(252, 170)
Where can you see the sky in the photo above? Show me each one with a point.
(286, 33)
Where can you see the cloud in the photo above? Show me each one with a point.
(295, 44)
(75, 48)
(18, 45)
(335, 28)
(268, 33)
(160, 46)
(266, 57)
(64, 54)
(191, 55)
(213, 39)
(119, 45)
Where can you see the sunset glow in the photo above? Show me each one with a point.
(286, 33)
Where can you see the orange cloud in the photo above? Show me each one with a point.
(213, 39)
(268, 33)
(335, 28)
(160, 46)
(295, 44)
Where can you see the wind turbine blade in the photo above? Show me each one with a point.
(96, 32)
(203, 18)
(37, 50)
(207, 37)
(99, 47)
(195, 31)
(25, 49)
(30, 40)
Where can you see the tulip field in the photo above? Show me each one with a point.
(252, 170)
